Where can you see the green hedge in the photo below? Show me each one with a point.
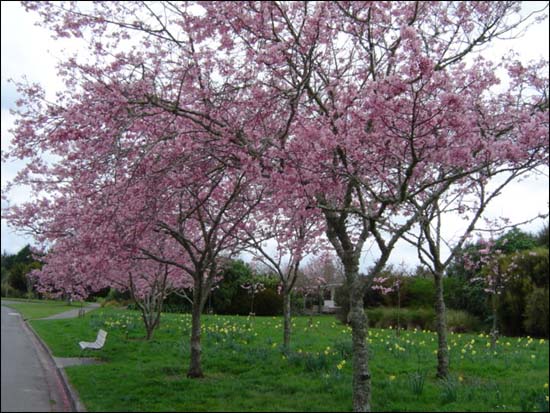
(421, 318)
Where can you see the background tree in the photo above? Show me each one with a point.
(293, 231)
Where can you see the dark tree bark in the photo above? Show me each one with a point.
(287, 320)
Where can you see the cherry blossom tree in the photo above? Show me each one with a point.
(293, 231)
(493, 275)
(155, 131)
(349, 108)
(385, 97)
(524, 104)
(86, 256)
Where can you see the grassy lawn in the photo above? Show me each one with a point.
(247, 371)
(40, 308)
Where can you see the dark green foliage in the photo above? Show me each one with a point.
(17, 278)
(417, 292)
(297, 305)
(268, 302)
(229, 289)
(459, 321)
(516, 240)
(385, 317)
(116, 295)
(175, 303)
(241, 303)
(231, 298)
(99, 294)
(530, 273)
(9, 291)
(533, 264)
(529, 255)
(536, 313)
(14, 272)
(543, 237)
(461, 294)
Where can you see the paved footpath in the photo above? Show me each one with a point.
(29, 380)
(72, 313)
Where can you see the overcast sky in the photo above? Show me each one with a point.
(29, 50)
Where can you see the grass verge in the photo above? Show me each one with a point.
(31, 309)
(246, 369)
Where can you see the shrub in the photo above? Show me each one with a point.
(516, 240)
(461, 322)
(461, 294)
(385, 317)
(17, 278)
(240, 303)
(421, 318)
(229, 289)
(268, 302)
(297, 305)
(536, 313)
(418, 292)
(116, 295)
(9, 291)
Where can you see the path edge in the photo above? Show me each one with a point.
(76, 404)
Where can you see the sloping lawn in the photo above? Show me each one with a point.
(246, 369)
(38, 309)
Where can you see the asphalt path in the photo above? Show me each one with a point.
(29, 383)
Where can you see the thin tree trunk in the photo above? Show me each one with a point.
(398, 331)
(195, 368)
(287, 319)
(441, 328)
(361, 386)
(321, 300)
(149, 327)
(151, 319)
(494, 328)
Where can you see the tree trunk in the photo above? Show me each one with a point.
(151, 320)
(361, 386)
(195, 369)
(441, 327)
(494, 328)
(149, 327)
(287, 320)
(398, 331)
(321, 300)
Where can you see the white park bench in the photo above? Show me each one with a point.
(97, 344)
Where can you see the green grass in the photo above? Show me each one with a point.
(29, 300)
(246, 369)
(41, 308)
